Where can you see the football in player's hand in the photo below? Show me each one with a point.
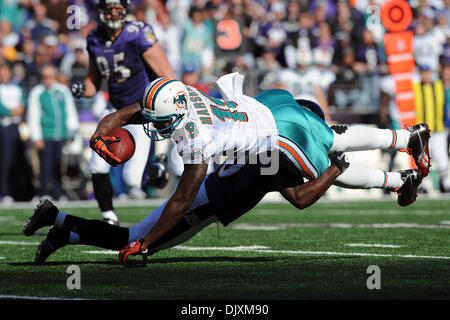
(123, 149)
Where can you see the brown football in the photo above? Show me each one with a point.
(124, 149)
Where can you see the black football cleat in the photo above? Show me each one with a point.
(418, 147)
(56, 239)
(44, 215)
(407, 193)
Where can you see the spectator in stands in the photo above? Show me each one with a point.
(41, 25)
(50, 46)
(231, 36)
(273, 33)
(267, 66)
(344, 93)
(168, 36)
(14, 12)
(196, 41)
(291, 19)
(441, 31)
(366, 64)
(75, 68)
(304, 81)
(348, 20)
(55, 10)
(8, 36)
(325, 40)
(303, 38)
(328, 5)
(52, 119)
(12, 107)
(430, 105)
(191, 77)
(426, 47)
(322, 57)
(27, 58)
(75, 63)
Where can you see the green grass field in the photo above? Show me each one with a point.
(274, 252)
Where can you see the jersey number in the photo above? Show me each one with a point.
(221, 114)
(118, 59)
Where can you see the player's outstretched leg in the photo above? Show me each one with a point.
(69, 229)
(404, 183)
(418, 147)
(56, 239)
(359, 138)
(44, 215)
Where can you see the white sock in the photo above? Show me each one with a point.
(356, 177)
(110, 215)
(360, 138)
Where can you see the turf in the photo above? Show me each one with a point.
(274, 252)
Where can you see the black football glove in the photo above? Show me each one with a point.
(338, 160)
(78, 89)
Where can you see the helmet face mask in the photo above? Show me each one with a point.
(112, 13)
(164, 107)
(163, 126)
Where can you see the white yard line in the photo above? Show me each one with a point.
(264, 249)
(349, 212)
(372, 245)
(15, 297)
(239, 248)
(281, 226)
(101, 252)
(20, 243)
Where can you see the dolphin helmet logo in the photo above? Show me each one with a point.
(180, 100)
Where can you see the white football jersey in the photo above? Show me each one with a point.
(216, 127)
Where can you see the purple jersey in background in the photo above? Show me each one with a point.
(120, 62)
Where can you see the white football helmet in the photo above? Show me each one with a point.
(165, 104)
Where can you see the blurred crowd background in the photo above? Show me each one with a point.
(330, 51)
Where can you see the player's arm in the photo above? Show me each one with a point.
(179, 203)
(128, 115)
(304, 195)
(156, 58)
(100, 141)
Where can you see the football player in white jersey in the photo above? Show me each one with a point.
(205, 127)
(198, 124)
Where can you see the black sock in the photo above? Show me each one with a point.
(103, 191)
(97, 233)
